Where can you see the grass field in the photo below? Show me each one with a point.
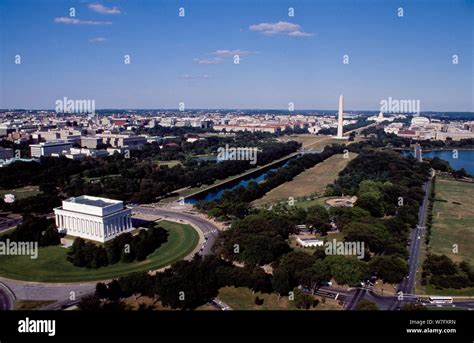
(28, 305)
(170, 164)
(304, 204)
(311, 181)
(21, 193)
(310, 141)
(453, 223)
(242, 298)
(314, 142)
(52, 266)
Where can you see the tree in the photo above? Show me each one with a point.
(215, 212)
(366, 305)
(375, 236)
(347, 270)
(390, 268)
(259, 301)
(314, 275)
(414, 307)
(304, 301)
(50, 236)
(318, 217)
(282, 281)
(372, 203)
(89, 302)
(101, 290)
(344, 215)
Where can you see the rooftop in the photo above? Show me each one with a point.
(93, 201)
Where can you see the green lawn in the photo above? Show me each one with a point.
(29, 305)
(52, 266)
(21, 193)
(453, 220)
(453, 223)
(310, 182)
(431, 290)
(304, 204)
(242, 298)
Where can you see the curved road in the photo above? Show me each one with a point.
(208, 229)
(7, 299)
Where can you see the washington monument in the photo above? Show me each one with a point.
(339, 118)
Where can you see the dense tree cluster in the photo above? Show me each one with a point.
(442, 272)
(124, 248)
(389, 192)
(257, 239)
(185, 285)
(34, 229)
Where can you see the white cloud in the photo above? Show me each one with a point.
(215, 60)
(281, 27)
(194, 77)
(75, 21)
(231, 53)
(98, 40)
(300, 34)
(221, 55)
(99, 8)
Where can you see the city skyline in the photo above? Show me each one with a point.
(283, 59)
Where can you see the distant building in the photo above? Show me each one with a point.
(420, 121)
(380, 118)
(120, 141)
(91, 142)
(49, 148)
(94, 218)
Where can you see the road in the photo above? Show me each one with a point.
(7, 300)
(208, 229)
(408, 284)
(9, 224)
(219, 305)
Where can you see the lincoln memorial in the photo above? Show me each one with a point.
(97, 219)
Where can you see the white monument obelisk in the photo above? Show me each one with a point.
(339, 118)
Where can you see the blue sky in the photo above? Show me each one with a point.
(283, 59)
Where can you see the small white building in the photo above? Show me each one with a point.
(309, 242)
(94, 218)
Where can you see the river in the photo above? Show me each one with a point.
(464, 158)
(216, 193)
